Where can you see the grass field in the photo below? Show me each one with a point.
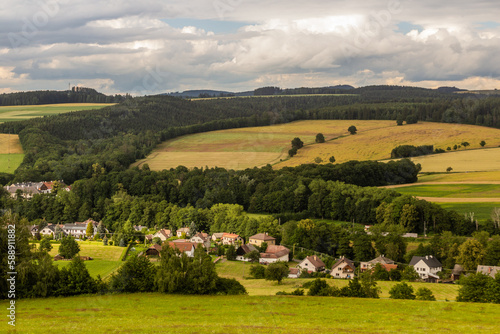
(10, 162)
(18, 113)
(106, 259)
(258, 146)
(154, 312)
(482, 211)
(260, 287)
(453, 190)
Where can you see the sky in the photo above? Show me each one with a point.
(157, 46)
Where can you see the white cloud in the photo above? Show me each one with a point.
(115, 44)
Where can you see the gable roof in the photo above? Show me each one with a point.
(182, 246)
(345, 260)
(429, 260)
(315, 261)
(274, 252)
(488, 270)
(262, 236)
(245, 249)
(382, 260)
(230, 235)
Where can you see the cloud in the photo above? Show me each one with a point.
(156, 46)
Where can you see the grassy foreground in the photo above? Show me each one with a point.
(154, 312)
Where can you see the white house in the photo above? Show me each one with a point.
(343, 268)
(231, 239)
(427, 267)
(370, 264)
(201, 238)
(163, 234)
(274, 253)
(217, 236)
(184, 247)
(184, 230)
(311, 264)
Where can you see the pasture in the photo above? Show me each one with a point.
(106, 259)
(482, 211)
(10, 162)
(155, 312)
(258, 146)
(19, 113)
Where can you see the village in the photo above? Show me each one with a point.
(260, 248)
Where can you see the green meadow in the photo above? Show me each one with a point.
(482, 211)
(453, 190)
(154, 312)
(10, 162)
(106, 259)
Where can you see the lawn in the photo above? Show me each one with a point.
(154, 312)
(106, 259)
(453, 190)
(258, 146)
(18, 113)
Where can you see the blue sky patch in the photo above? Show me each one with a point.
(488, 25)
(218, 27)
(406, 27)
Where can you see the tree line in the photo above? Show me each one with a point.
(76, 95)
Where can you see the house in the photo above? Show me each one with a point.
(163, 234)
(274, 253)
(259, 238)
(370, 264)
(76, 230)
(28, 189)
(184, 230)
(217, 236)
(457, 271)
(154, 250)
(184, 247)
(201, 238)
(231, 239)
(50, 229)
(311, 264)
(488, 270)
(34, 230)
(343, 268)
(149, 238)
(294, 273)
(244, 250)
(427, 267)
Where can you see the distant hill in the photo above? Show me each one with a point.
(208, 93)
(450, 89)
(75, 95)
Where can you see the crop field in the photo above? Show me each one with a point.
(258, 146)
(472, 177)
(155, 312)
(19, 113)
(461, 161)
(11, 153)
(106, 259)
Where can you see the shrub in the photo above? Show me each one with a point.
(258, 271)
(424, 294)
(402, 291)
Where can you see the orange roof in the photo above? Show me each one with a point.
(182, 246)
(230, 235)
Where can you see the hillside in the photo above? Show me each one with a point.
(258, 146)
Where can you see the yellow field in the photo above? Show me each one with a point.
(258, 146)
(23, 112)
(463, 161)
(377, 143)
(10, 144)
